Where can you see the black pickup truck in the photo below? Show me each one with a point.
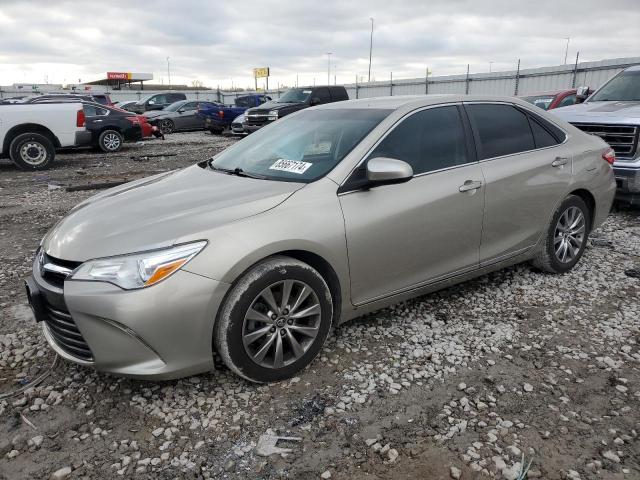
(291, 101)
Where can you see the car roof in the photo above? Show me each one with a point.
(549, 92)
(416, 101)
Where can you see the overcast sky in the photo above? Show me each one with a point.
(217, 42)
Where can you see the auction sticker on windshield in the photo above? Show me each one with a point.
(291, 166)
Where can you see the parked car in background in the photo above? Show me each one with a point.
(157, 101)
(181, 115)
(101, 98)
(291, 101)
(321, 217)
(10, 100)
(219, 117)
(111, 127)
(552, 99)
(31, 133)
(236, 126)
(613, 113)
(125, 105)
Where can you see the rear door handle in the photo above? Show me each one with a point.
(559, 162)
(470, 185)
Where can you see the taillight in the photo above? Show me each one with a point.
(221, 113)
(609, 156)
(80, 118)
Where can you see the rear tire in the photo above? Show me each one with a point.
(566, 237)
(216, 131)
(110, 141)
(166, 126)
(274, 320)
(32, 151)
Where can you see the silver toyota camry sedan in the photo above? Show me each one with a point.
(322, 216)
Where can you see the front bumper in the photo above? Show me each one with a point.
(251, 127)
(628, 184)
(161, 332)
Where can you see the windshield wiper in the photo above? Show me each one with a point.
(236, 171)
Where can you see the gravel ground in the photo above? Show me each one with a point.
(475, 381)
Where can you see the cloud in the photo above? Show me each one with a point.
(220, 42)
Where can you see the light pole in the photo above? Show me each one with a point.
(370, 48)
(168, 71)
(566, 51)
(490, 64)
(329, 67)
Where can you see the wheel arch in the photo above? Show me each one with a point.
(28, 128)
(314, 260)
(589, 199)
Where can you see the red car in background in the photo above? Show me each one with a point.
(552, 99)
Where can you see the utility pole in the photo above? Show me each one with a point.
(566, 51)
(168, 72)
(329, 68)
(370, 48)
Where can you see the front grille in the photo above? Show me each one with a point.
(257, 119)
(56, 278)
(66, 334)
(622, 138)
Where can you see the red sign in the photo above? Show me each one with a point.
(118, 76)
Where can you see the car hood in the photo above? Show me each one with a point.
(160, 211)
(274, 106)
(606, 112)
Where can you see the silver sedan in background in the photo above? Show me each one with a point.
(320, 217)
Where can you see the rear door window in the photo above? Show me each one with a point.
(542, 137)
(94, 111)
(322, 94)
(502, 130)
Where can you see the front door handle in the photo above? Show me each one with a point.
(470, 185)
(559, 162)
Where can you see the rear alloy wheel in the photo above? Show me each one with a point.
(32, 151)
(274, 321)
(566, 237)
(166, 126)
(110, 141)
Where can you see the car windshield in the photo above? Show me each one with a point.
(295, 95)
(623, 88)
(300, 148)
(175, 106)
(542, 101)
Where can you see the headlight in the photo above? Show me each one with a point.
(138, 270)
(272, 115)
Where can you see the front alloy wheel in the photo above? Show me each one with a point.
(274, 320)
(166, 126)
(281, 324)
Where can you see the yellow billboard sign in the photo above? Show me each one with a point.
(261, 72)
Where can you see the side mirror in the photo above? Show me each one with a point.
(181, 110)
(386, 171)
(581, 94)
(315, 101)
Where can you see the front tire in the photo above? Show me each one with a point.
(110, 141)
(566, 237)
(166, 126)
(32, 151)
(274, 320)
